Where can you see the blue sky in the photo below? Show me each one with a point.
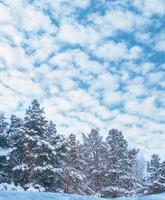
(90, 63)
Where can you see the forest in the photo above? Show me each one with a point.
(34, 155)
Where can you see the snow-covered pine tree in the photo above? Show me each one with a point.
(73, 170)
(118, 178)
(37, 151)
(16, 126)
(17, 162)
(4, 150)
(27, 144)
(156, 178)
(159, 186)
(44, 150)
(50, 163)
(152, 169)
(93, 149)
(35, 136)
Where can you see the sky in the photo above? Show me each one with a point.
(90, 63)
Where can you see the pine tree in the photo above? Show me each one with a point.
(93, 149)
(73, 171)
(49, 165)
(35, 135)
(156, 179)
(37, 151)
(4, 150)
(118, 177)
(159, 185)
(45, 149)
(152, 169)
(17, 162)
(16, 124)
(27, 144)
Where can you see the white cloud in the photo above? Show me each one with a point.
(160, 46)
(80, 3)
(119, 20)
(9, 100)
(112, 51)
(20, 83)
(42, 47)
(112, 98)
(134, 52)
(147, 67)
(126, 119)
(144, 107)
(137, 90)
(5, 16)
(77, 34)
(14, 57)
(8, 32)
(150, 7)
(143, 37)
(113, 20)
(118, 51)
(105, 81)
(155, 77)
(34, 20)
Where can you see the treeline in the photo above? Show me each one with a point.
(33, 154)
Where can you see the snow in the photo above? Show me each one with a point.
(10, 187)
(4, 152)
(58, 196)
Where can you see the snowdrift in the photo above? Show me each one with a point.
(51, 196)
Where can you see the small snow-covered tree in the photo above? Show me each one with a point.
(153, 166)
(4, 150)
(118, 176)
(93, 149)
(156, 178)
(73, 175)
(152, 169)
(159, 185)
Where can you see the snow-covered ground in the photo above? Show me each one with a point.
(51, 196)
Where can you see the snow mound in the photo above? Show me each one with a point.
(58, 196)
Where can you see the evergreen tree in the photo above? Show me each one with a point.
(17, 162)
(35, 144)
(152, 169)
(16, 125)
(159, 185)
(49, 165)
(93, 149)
(156, 179)
(118, 176)
(4, 149)
(28, 145)
(73, 171)
(37, 151)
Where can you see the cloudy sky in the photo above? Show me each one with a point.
(91, 63)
